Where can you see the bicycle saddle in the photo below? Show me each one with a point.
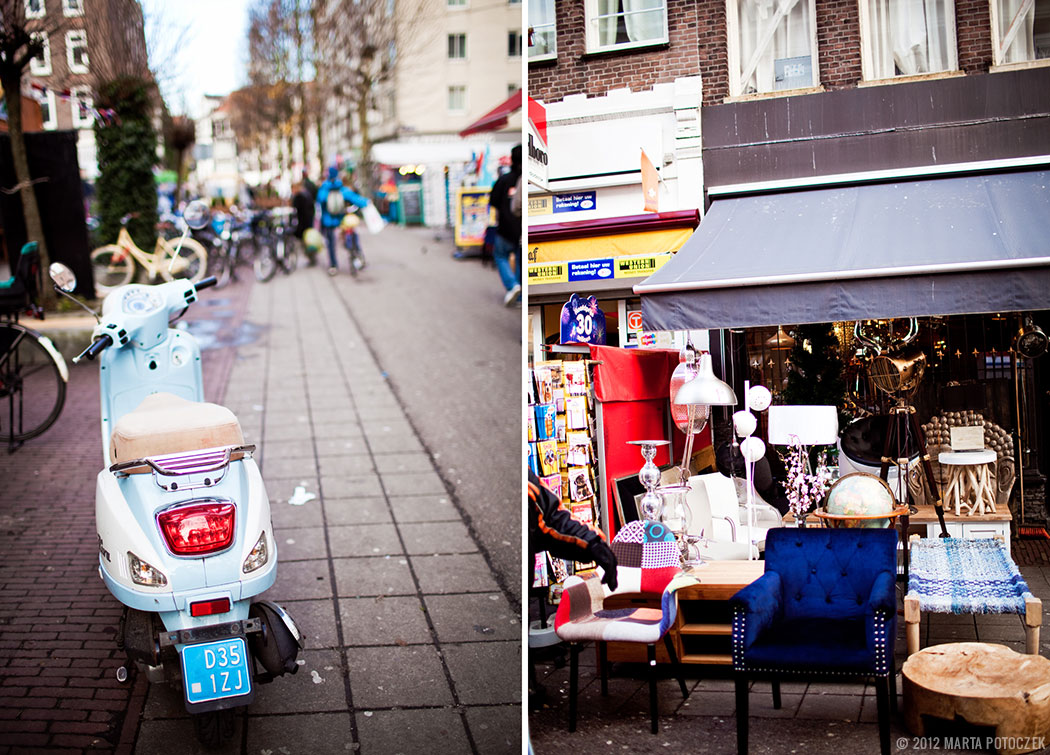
(166, 424)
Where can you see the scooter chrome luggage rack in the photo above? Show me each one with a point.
(180, 465)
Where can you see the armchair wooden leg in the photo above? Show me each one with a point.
(574, 673)
(741, 715)
(776, 694)
(676, 665)
(603, 667)
(882, 703)
(893, 690)
(654, 722)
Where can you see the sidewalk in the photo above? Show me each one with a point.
(410, 644)
(815, 718)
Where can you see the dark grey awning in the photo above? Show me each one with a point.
(938, 246)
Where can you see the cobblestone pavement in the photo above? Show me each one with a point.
(411, 643)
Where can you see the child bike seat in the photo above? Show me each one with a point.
(167, 424)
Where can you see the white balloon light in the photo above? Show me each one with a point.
(745, 423)
(752, 448)
(759, 398)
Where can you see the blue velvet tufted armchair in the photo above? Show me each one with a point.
(826, 606)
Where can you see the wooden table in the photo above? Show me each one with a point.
(985, 685)
(703, 627)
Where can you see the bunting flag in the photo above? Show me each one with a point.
(650, 185)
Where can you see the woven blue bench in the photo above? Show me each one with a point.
(953, 575)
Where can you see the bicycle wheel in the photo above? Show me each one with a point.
(32, 383)
(265, 264)
(191, 261)
(219, 266)
(290, 261)
(111, 267)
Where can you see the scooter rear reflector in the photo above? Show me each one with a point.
(210, 607)
(198, 528)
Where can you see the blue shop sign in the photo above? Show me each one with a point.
(589, 270)
(576, 202)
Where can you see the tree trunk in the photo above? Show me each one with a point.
(180, 159)
(365, 165)
(12, 85)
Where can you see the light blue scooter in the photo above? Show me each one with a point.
(184, 534)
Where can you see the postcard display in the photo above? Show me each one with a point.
(562, 451)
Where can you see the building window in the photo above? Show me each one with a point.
(41, 64)
(613, 24)
(1020, 30)
(513, 87)
(35, 9)
(542, 31)
(76, 51)
(73, 7)
(457, 46)
(772, 45)
(514, 43)
(82, 107)
(906, 38)
(457, 98)
(48, 111)
(457, 3)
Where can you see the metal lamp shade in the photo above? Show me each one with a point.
(705, 388)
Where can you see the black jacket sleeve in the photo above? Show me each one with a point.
(552, 528)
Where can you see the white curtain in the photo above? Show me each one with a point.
(770, 30)
(1016, 30)
(910, 37)
(607, 10)
(541, 19)
(644, 19)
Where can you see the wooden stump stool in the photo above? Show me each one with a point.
(985, 685)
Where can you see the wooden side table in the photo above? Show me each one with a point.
(969, 480)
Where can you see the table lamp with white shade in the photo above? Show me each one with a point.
(804, 425)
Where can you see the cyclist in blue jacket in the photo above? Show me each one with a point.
(333, 198)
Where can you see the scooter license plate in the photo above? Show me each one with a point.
(216, 670)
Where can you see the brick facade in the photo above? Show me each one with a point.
(698, 44)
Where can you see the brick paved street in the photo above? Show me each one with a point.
(413, 642)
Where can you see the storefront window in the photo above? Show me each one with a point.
(772, 45)
(1020, 30)
(907, 37)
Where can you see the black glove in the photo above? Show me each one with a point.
(605, 558)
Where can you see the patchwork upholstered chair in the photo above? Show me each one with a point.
(648, 564)
(826, 606)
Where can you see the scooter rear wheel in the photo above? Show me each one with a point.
(214, 728)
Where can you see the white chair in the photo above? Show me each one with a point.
(716, 523)
(730, 518)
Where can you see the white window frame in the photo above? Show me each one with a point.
(517, 33)
(78, 95)
(44, 67)
(52, 111)
(451, 109)
(77, 38)
(552, 26)
(458, 36)
(998, 24)
(595, 45)
(457, 4)
(736, 77)
(30, 13)
(866, 46)
(77, 8)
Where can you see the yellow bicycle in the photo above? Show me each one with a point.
(114, 264)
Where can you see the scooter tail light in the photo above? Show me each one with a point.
(197, 529)
(259, 556)
(143, 573)
(210, 607)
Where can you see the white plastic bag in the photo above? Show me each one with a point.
(373, 220)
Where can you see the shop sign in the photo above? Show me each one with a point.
(538, 155)
(643, 244)
(634, 320)
(580, 201)
(540, 206)
(472, 216)
(589, 270)
(557, 272)
(638, 267)
(582, 321)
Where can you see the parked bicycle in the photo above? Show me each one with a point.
(114, 264)
(281, 249)
(33, 374)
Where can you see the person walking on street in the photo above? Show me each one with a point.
(508, 228)
(333, 198)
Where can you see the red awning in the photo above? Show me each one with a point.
(495, 118)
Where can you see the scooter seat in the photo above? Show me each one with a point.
(167, 424)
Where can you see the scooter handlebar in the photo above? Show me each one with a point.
(97, 346)
(204, 283)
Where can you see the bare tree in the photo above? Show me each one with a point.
(21, 40)
(271, 66)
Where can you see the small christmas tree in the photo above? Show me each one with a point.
(815, 375)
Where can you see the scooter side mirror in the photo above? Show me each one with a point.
(196, 214)
(62, 276)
